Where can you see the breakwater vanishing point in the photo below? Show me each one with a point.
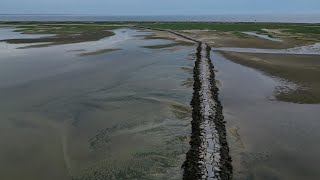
(208, 157)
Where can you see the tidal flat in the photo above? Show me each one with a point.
(112, 100)
(121, 114)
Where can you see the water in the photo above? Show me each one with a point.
(263, 36)
(268, 139)
(126, 114)
(313, 49)
(299, 18)
(9, 33)
(120, 115)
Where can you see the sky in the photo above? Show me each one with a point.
(159, 7)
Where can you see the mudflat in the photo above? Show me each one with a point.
(110, 100)
(301, 70)
(270, 99)
(61, 34)
(93, 108)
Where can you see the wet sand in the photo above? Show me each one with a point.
(240, 40)
(91, 120)
(270, 102)
(299, 73)
(59, 34)
(268, 139)
(100, 51)
(123, 114)
(162, 46)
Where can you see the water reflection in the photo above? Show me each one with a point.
(268, 139)
(308, 50)
(263, 36)
(11, 33)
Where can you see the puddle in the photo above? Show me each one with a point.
(263, 36)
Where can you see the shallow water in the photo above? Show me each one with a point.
(120, 115)
(307, 50)
(9, 33)
(268, 139)
(262, 36)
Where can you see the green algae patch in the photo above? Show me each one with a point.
(62, 33)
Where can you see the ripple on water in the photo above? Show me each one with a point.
(119, 115)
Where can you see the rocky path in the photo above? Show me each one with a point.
(208, 157)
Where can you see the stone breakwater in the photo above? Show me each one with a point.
(169, 31)
(208, 157)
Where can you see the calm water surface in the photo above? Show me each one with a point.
(313, 49)
(268, 139)
(120, 115)
(126, 115)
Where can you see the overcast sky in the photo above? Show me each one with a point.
(159, 7)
